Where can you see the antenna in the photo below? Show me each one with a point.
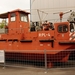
(39, 16)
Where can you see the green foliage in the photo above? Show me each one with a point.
(2, 25)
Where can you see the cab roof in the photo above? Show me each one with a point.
(5, 15)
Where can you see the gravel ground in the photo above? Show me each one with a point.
(35, 71)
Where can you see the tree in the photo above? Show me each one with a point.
(2, 24)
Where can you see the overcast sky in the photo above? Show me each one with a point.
(8, 5)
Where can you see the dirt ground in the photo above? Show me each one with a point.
(35, 71)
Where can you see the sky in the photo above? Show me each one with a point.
(8, 5)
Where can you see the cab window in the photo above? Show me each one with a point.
(23, 18)
(13, 17)
(62, 28)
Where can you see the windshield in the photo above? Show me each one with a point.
(62, 28)
(23, 17)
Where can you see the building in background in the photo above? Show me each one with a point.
(42, 10)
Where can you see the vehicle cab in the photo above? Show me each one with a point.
(17, 22)
(16, 19)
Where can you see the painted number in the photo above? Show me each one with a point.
(44, 34)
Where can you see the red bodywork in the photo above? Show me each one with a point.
(19, 37)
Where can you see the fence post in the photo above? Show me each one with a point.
(4, 59)
(45, 59)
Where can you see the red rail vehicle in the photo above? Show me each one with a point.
(56, 38)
